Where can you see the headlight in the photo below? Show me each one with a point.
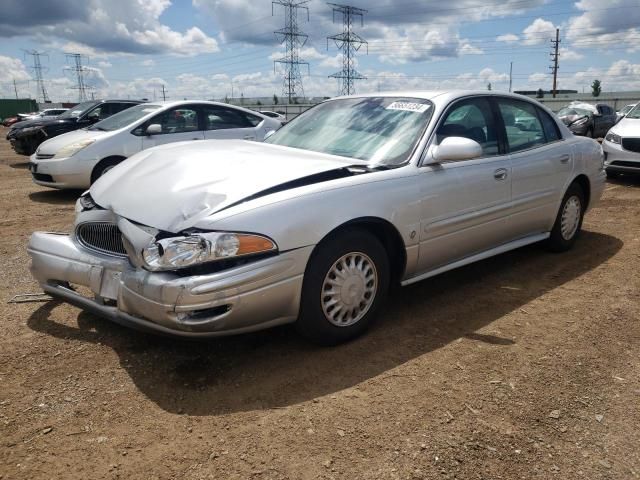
(73, 148)
(581, 121)
(613, 138)
(185, 251)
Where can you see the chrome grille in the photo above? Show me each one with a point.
(44, 156)
(102, 237)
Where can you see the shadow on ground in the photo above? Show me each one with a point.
(626, 179)
(19, 165)
(276, 368)
(56, 197)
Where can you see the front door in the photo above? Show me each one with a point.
(178, 124)
(230, 123)
(465, 204)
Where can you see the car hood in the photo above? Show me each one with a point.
(174, 186)
(628, 127)
(51, 146)
(569, 119)
(41, 122)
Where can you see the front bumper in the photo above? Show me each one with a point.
(246, 298)
(68, 172)
(617, 159)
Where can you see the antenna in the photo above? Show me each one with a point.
(38, 69)
(79, 70)
(293, 40)
(349, 42)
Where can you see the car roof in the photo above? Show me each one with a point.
(438, 95)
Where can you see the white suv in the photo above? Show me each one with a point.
(77, 159)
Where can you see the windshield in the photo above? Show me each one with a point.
(634, 113)
(570, 111)
(380, 130)
(77, 110)
(124, 118)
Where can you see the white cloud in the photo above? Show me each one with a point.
(148, 62)
(570, 55)
(599, 28)
(540, 31)
(508, 38)
(105, 64)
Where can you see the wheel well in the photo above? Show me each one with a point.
(119, 158)
(583, 181)
(387, 234)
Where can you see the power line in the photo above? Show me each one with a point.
(349, 42)
(79, 70)
(37, 69)
(293, 40)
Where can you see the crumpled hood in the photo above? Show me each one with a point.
(51, 146)
(627, 127)
(569, 119)
(173, 186)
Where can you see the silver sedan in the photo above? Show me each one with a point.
(313, 226)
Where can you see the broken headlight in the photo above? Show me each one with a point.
(186, 251)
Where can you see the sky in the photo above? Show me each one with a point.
(215, 48)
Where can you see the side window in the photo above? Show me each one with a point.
(220, 118)
(550, 127)
(118, 107)
(522, 125)
(177, 120)
(472, 119)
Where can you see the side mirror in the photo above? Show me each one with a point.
(154, 129)
(455, 148)
(269, 133)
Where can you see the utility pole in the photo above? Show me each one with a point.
(510, 76)
(293, 40)
(37, 69)
(79, 70)
(554, 58)
(15, 88)
(164, 93)
(349, 42)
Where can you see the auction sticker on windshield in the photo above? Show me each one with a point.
(409, 107)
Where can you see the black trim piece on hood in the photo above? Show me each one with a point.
(309, 180)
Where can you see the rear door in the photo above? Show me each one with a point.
(225, 122)
(540, 162)
(178, 124)
(465, 204)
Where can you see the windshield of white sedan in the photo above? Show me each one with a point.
(634, 113)
(78, 110)
(382, 130)
(125, 117)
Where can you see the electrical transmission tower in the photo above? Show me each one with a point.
(79, 71)
(293, 40)
(349, 42)
(38, 69)
(554, 58)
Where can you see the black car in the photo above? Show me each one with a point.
(28, 135)
(588, 120)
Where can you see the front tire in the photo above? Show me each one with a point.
(345, 283)
(568, 224)
(103, 167)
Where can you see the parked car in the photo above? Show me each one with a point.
(277, 115)
(77, 159)
(312, 226)
(7, 122)
(47, 113)
(622, 145)
(589, 120)
(623, 111)
(26, 139)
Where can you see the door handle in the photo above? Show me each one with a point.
(500, 174)
(564, 158)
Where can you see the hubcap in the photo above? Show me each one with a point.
(570, 217)
(348, 289)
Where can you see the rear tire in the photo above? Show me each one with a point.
(345, 283)
(104, 166)
(566, 228)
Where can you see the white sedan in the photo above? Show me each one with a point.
(77, 159)
(313, 225)
(622, 145)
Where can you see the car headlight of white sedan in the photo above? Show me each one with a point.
(613, 138)
(73, 148)
(185, 251)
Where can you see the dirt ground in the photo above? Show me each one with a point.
(524, 366)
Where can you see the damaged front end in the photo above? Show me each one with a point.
(25, 141)
(152, 280)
